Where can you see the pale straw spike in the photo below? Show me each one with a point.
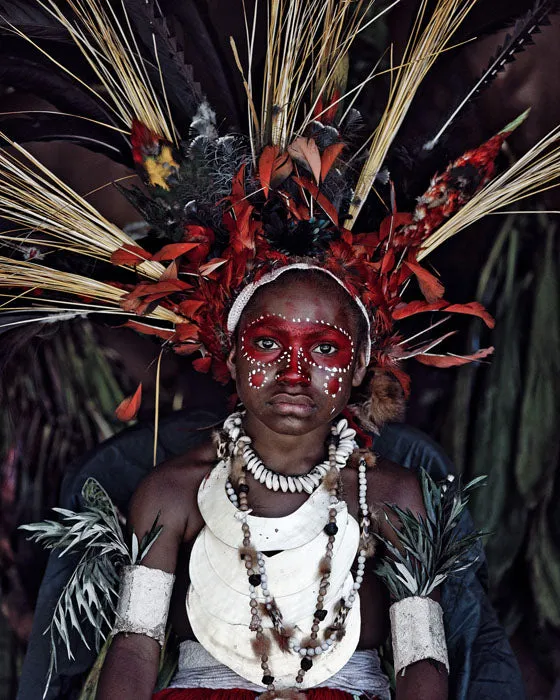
(37, 199)
(536, 171)
(423, 47)
(19, 273)
(113, 54)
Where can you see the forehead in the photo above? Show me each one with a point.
(300, 299)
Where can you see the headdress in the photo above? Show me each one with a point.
(304, 185)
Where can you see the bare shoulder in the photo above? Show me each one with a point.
(169, 491)
(392, 484)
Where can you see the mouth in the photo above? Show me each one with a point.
(292, 404)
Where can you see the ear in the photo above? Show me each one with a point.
(360, 369)
(231, 360)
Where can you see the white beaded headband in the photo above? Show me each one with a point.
(246, 294)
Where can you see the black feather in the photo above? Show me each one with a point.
(183, 93)
(24, 128)
(302, 238)
(32, 20)
(514, 43)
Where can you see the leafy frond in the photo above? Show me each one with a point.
(429, 549)
(96, 536)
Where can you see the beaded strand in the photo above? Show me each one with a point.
(255, 564)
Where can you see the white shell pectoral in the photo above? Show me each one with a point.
(241, 602)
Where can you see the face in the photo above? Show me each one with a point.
(296, 359)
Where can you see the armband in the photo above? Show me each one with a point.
(144, 602)
(417, 631)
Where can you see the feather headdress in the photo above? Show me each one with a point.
(225, 207)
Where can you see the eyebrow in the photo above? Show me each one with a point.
(323, 330)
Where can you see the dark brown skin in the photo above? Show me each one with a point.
(131, 667)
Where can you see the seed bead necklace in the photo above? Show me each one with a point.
(255, 564)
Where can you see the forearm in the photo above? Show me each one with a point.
(424, 680)
(130, 669)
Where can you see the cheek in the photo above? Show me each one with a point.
(258, 378)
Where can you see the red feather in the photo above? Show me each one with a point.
(202, 364)
(128, 408)
(328, 157)
(453, 360)
(173, 251)
(130, 255)
(431, 287)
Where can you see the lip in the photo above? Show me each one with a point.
(292, 404)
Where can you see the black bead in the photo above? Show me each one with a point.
(255, 579)
(306, 663)
(331, 529)
(243, 488)
(267, 680)
(320, 614)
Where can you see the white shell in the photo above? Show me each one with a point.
(299, 484)
(348, 433)
(341, 425)
(283, 482)
(275, 482)
(218, 599)
(291, 484)
(266, 533)
(258, 471)
(268, 479)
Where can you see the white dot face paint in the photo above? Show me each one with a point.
(290, 350)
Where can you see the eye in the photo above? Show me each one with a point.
(266, 344)
(326, 349)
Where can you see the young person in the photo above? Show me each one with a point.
(229, 216)
(299, 351)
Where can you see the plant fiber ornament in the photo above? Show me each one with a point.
(144, 602)
(417, 632)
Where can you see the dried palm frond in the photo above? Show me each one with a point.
(536, 171)
(110, 48)
(426, 42)
(429, 548)
(96, 536)
(37, 200)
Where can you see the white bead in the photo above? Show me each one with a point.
(324, 646)
(318, 650)
(302, 651)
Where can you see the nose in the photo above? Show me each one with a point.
(293, 371)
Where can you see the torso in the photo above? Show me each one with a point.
(187, 473)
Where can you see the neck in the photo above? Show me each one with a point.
(287, 454)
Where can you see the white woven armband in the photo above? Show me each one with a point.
(417, 632)
(144, 602)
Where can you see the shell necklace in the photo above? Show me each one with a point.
(342, 435)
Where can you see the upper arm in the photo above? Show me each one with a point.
(160, 496)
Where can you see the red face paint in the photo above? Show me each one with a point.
(300, 341)
(333, 386)
(257, 380)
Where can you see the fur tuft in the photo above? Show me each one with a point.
(325, 566)
(331, 479)
(261, 646)
(236, 470)
(245, 552)
(384, 402)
